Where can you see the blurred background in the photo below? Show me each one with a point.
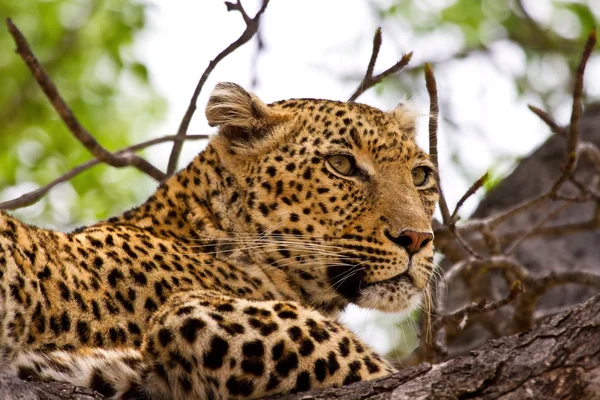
(129, 68)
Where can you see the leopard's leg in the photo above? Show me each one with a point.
(16, 302)
(203, 345)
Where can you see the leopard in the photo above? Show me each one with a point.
(228, 282)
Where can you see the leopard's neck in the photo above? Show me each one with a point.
(198, 201)
(203, 206)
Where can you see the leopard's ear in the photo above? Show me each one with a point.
(241, 116)
(406, 117)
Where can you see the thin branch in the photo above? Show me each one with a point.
(524, 315)
(371, 80)
(465, 245)
(63, 110)
(554, 127)
(433, 129)
(471, 191)
(493, 241)
(252, 25)
(562, 278)
(35, 195)
(374, 54)
(459, 317)
(585, 189)
(434, 112)
(573, 136)
(493, 221)
(514, 245)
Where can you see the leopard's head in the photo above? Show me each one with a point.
(338, 195)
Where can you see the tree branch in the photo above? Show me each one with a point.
(471, 191)
(51, 92)
(252, 25)
(371, 80)
(573, 135)
(433, 129)
(35, 195)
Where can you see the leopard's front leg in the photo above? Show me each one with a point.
(205, 345)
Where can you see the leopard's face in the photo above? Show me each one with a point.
(341, 199)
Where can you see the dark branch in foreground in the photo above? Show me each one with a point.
(371, 80)
(50, 90)
(252, 25)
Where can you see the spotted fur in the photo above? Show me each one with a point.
(227, 281)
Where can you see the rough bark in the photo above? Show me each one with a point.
(13, 388)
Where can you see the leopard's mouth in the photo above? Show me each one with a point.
(350, 282)
(398, 278)
(396, 294)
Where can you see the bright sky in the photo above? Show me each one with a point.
(311, 46)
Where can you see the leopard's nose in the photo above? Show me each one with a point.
(411, 241)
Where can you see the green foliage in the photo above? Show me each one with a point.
(85, 46)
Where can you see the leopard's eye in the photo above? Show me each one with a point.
(342, 164)
(420, 176)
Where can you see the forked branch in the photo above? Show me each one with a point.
(371, 80)
(252, 26)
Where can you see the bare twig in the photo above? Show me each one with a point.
(35, 195)
(493, 221)
(436, 350)
(573, 134)
(374, 53)
(458, 318)
(433, 129)
(554, 127)
(471, 191)
(252, 25)
(371, 80)
(524, 315)
(585, 189)
(535, 227)
(464, 244)
(50, 90)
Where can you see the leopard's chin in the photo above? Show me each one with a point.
(397, 294)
